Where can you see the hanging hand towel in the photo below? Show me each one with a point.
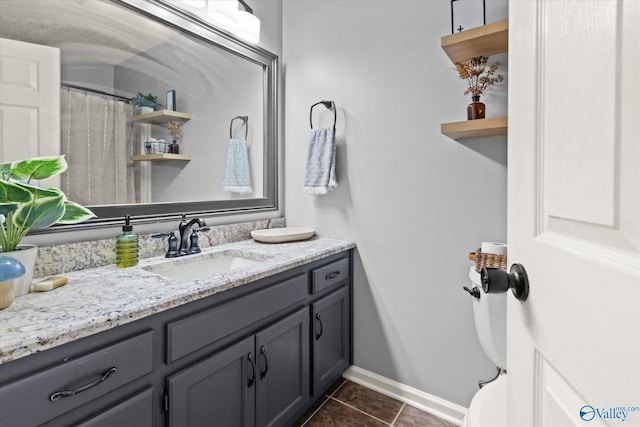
(321, 162)
(237, 175)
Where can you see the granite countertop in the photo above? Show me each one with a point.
(101, 298)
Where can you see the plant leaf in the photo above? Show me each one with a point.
(5, 170)
(38, 167)
(40, 213)
(74, 213)
(38, 192)
(14, 192)
(6, 208)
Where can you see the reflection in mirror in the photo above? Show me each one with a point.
(186, 155)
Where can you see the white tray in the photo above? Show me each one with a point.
(280, 235)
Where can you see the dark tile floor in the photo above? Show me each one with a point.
(348, 404)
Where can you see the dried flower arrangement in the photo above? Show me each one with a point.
(478, 76)
(174, 130)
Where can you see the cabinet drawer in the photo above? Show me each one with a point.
(52, 392)
(133, 411)
(330, 274)
(195, 332)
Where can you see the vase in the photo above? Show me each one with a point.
(27, 255)
(6, 293)
(476, 109)
(146, 110)
(174, 148)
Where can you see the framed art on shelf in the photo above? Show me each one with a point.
(466, 14)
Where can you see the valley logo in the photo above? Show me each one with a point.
(589, 413)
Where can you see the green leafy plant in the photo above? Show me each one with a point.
(24, 206)
(147, 100)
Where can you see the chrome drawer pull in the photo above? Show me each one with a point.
(65, 393)
(332, 275)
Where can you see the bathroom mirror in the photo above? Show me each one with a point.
(113, 49)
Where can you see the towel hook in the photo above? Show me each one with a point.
(329, 105)
(245, 119)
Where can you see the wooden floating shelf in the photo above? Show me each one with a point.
(160, 157)
(486, 40)
(475, 128)
(161, 116)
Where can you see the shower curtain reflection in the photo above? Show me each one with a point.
(98, 141)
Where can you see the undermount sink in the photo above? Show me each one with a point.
(202, 266)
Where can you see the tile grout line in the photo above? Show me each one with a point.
(398, 414)
(337, 388)
(314, 412)
(327, 397)
(359, 410)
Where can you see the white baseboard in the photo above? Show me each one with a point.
(427, 402)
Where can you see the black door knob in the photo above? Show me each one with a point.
(496, 280)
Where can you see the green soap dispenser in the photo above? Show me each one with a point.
(127, 246)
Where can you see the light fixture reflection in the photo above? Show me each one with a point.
(195, 3)
(223, 12)
(248, 27)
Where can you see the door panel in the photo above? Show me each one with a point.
(216, 391)
(283, 366)
(574, 210)
(330, 317)
(29, 101)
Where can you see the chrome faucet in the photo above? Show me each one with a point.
(183, 229)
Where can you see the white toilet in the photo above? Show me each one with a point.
(489, 405)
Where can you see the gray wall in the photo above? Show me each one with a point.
(414, 201)
(213, 85)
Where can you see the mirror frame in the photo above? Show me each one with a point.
(186, 22)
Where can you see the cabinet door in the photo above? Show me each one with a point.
(283, 369)
(331, 337)
(218, 391)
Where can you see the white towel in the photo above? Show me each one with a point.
(237, 174)
(320, 175)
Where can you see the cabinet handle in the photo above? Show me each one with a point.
(263, 350)
(253, 370)
(319, 334)
(332, 275)
(65, 393)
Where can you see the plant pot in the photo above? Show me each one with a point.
(476, 109)
(146, 110)
(27, 255)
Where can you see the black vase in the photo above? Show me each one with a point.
(174, 148)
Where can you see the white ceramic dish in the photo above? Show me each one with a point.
(280, 235)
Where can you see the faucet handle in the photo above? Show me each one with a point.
(194, 248)
(172, 252)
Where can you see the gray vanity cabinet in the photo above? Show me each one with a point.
(331, 338)
(74, 382)
(136, 410)
(219, 390)
(256, 355)
(282, 369)
(259, 381)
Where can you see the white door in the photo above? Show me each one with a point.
(574, 212)
(29, 101)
